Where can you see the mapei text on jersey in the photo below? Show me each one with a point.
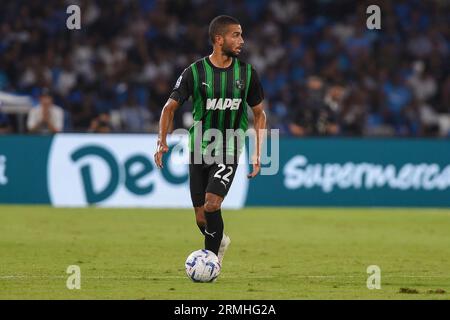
(223, 104)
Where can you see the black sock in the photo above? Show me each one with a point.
(214, 230)
(202, 229)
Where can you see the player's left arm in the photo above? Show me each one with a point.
(260, 125)
(255, 99)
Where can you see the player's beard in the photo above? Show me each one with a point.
(228, 52)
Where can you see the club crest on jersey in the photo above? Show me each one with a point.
(223, 104)
(240, 84)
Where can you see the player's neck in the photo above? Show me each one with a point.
(220, 60)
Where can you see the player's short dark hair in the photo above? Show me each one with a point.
(218, 26)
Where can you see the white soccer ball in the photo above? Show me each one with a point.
(202, 266)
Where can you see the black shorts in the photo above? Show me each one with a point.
(213, 178)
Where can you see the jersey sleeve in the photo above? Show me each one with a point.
(255, 91)
(183, 87)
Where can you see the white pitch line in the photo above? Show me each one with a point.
(12, 277)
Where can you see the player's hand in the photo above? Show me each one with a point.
(160, 150)
(256, 167)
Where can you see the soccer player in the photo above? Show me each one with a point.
(221, 87)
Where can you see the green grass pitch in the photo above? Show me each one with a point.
(276, 253)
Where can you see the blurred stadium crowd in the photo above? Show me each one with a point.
(323, 71)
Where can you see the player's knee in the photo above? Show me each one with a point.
(212, 202)
(212, 206)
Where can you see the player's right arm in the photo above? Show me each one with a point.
(180, 93)
(166, 119)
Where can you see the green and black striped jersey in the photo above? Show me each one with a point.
(220, 97)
